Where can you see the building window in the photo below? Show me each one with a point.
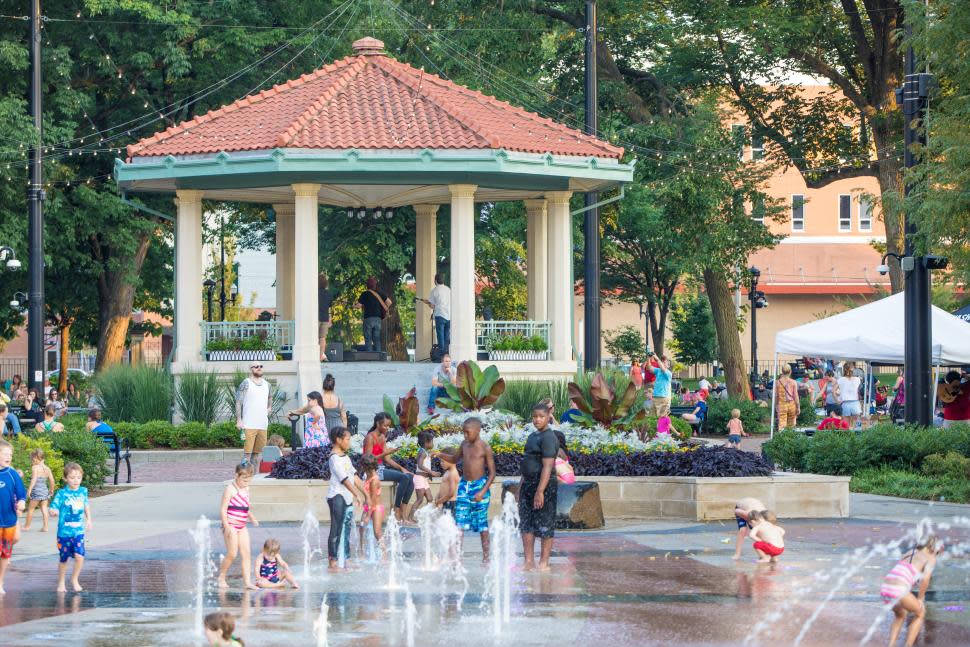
(758, 209)
(739, 134)
(798, 213)
(757, 145)
(865, 213)
(845, 213)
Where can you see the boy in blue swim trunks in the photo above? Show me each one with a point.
(70, 506)
(478, 472)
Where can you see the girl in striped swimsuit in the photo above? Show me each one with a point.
(235, 515)
(897, 588)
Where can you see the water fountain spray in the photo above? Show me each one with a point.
(504, 531)
(311, 541)
(395, 553)
(426, 519)
(321, 624)
(203, 568)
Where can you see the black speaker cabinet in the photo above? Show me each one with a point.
(335, 351)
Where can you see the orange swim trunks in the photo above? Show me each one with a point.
(8, 537)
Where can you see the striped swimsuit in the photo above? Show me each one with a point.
(238, 510)
(898, 582)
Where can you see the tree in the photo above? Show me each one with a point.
(626, 342)
(941, 197)
(753, 47)
(695, 338)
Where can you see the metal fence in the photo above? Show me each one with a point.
(270, 335)
(488, 330)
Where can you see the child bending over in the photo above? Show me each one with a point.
(769, 539)
(897, 588)
(41, 485)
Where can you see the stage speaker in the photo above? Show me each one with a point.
(366, 356)
(335, 351)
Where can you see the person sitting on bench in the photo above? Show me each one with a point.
(697, 416)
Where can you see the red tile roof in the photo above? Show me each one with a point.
(371, 101)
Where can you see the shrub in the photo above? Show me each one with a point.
(74, 421)
(788, 450)
(679, 428)
(156, 433)
(192, 434)
(834, 452)
(952, 464)
(754, 416)
(225, 434)
(135, 393)
(88, 451)
(278, 428)
(198, 396)
(521, 395)
(626, 343)
(26, 443)
(613, 402)
(806, 416)
(911, 485)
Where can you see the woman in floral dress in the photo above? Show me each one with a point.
(315, 432)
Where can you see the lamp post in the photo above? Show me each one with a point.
(591, 224)
(35, 212)
(209, 285)
(758, 300)
(646, 328)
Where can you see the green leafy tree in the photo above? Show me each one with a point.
(695, 339)
(626, 342)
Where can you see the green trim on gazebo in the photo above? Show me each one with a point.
(486, 168)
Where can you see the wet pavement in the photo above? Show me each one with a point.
(663, 583)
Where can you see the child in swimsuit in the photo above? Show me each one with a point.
(897, 588)
(448, 490)
(219, 629)
(423, 473)
(564, 471)
(70, 506)
(474, 497)
(235, 515)
(373, 508)
(769, 539)
(273, 572)
(41, 485)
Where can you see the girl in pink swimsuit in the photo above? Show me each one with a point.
(373, 509)
(897, 588)
(236, 514)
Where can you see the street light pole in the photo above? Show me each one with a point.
(35, 222)
(591, 223)
(913, 98)
(758, 300)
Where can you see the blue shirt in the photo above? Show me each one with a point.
(70, 506)
(11, 491)
(701, 407)
(661, 386)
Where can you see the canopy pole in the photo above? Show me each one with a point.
(932, 398)
(774, 380)
(865, 393)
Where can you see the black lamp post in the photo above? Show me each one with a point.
(646, 328)
(758, 300)
(209, 285)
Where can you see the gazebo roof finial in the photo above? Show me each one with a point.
(369, 46)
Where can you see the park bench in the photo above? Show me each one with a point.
(677, 411)
(118, 448)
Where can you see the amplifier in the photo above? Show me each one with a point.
(365, 356)
(335, 351)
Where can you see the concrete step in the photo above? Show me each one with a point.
(362, 385)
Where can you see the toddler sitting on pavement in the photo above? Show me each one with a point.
(769, 539)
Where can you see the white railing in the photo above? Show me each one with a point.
(513, 340)
(230, 340)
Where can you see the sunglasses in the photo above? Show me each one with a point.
(256, 366)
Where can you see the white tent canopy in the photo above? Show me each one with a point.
(875, 332)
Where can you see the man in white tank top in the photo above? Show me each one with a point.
(253, 405)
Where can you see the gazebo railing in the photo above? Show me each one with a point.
(247, 340)
(513, 340)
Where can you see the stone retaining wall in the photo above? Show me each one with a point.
(646, 497)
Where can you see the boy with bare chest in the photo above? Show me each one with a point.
(478, 472)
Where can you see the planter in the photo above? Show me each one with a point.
(517, 355)
(241, 355)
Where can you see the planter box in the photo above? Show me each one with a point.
(517, 355)
(241, 355)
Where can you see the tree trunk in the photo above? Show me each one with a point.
(728, 339)
(397, 346)
(65, 352)
(116, 294)
(890, 189)
(655, 316)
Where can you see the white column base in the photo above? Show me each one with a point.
(426, 265)
(560, 276)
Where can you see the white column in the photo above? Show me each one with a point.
(306, 344)
(425, 266)
(284, 260)
(537, 259)
(188, 281)
(560, 276)
(463, 345)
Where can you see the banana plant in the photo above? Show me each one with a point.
(475, 389)
(605, 408)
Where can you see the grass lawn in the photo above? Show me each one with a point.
(911, 485)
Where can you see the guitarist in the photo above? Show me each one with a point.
(375, 306)
(954, 393)
(440, 302)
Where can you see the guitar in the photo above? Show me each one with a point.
(947, 393)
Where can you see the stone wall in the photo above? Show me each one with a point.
(637, 498)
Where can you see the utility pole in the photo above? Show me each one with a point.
(913, 98)
(35, 223)
(591, 224)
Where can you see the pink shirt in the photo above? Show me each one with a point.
(735, 427)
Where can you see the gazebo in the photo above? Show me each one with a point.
(369, 132)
